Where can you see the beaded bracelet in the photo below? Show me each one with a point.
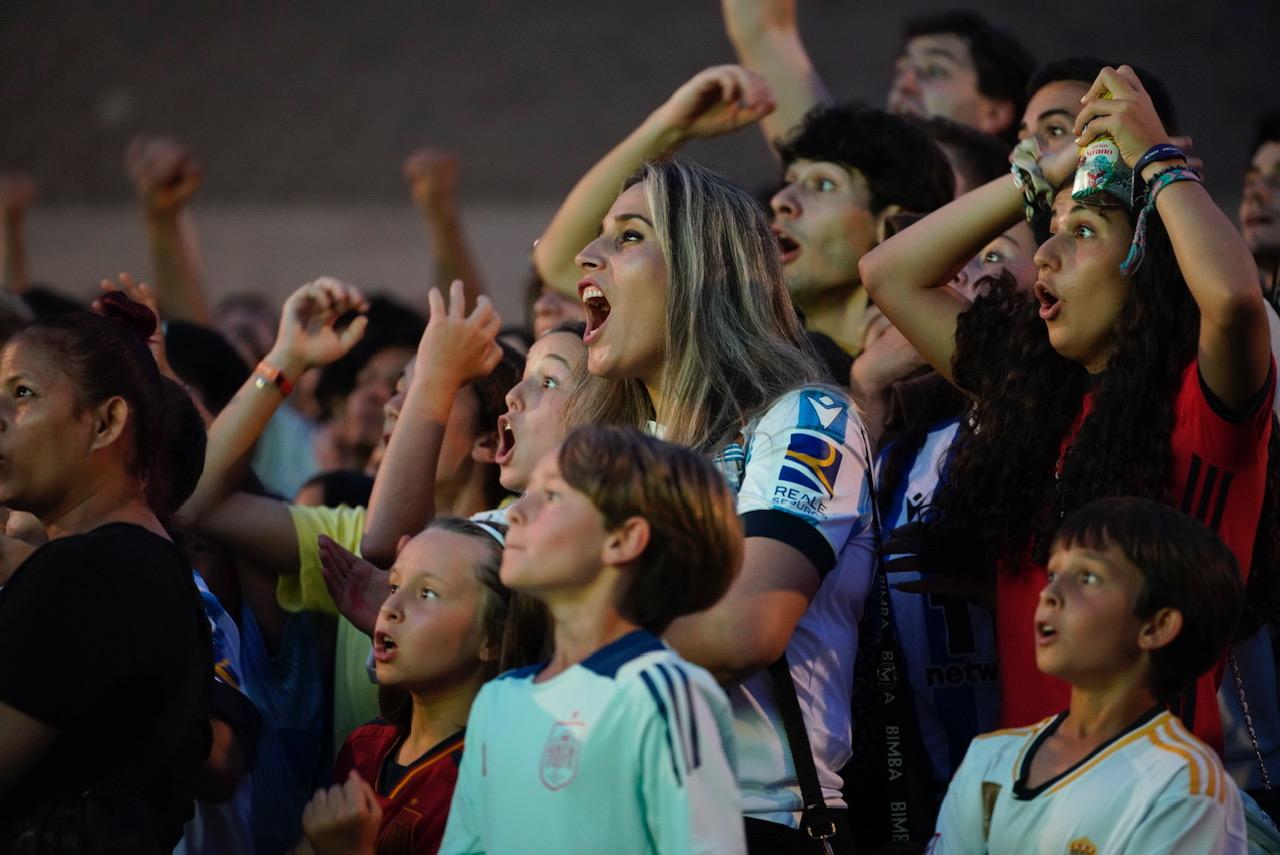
(1159, 181)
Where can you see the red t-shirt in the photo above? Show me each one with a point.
(1219, 471)
(415, 808)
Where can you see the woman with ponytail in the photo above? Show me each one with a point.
(104, 675)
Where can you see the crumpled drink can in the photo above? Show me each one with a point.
(1100, 169)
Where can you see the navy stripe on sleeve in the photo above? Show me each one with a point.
(693, 717)
(793, 531)
(666, 720)
(675, 705)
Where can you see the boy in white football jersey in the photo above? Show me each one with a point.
(617, 744)
(1140, 600)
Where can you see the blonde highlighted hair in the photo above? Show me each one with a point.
(733, 341)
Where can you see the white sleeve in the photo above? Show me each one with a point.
(805, 481)
(463, 832)
(687, 765)
(959, 830)
(1191, 824)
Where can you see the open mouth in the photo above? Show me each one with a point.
(506, 440)
(788, 249)
(598, 309)
(384, 647)
(1045, 632)
(1050, 303)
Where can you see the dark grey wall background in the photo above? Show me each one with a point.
(302, 113)
(318, 103)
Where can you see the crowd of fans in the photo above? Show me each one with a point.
(931, 500)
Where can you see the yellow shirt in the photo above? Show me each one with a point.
(355, 696)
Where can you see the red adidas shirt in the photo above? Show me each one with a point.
(1219, 472)
(415, 808)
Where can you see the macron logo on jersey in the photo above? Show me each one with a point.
(811, 462)
(823, 413)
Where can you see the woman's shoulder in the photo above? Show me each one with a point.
(123, 547)
(824, 409)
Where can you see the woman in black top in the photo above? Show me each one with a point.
(104, 651)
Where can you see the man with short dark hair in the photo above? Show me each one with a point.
(847, 169)
(957, 66)
(953, 65)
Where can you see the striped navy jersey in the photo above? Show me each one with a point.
(629, 751)
(948, 645)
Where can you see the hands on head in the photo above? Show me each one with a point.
(1127, 115)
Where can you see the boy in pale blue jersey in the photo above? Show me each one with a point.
(616, 744)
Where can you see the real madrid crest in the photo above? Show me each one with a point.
(1082, 846)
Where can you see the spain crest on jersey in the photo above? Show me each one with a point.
(560, 754)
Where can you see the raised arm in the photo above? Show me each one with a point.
(432, 175)
(713, 102)
(17, 192)
(905, 274)
(455, 350)
(166, 177)
(1234, 348)
(307, 338)
(767, 40)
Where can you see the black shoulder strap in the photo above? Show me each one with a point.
(816, 820)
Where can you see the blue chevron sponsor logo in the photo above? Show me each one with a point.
(811, 462)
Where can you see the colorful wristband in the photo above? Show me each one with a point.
(269, 374)
(1159, 181)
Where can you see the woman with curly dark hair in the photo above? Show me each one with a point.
(1142, 368)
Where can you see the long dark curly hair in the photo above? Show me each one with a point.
(1007, 487)
(1003, 490)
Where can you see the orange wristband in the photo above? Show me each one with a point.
(270, 374)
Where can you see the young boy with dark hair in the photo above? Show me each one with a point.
(616, 744)
(1140, 601)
